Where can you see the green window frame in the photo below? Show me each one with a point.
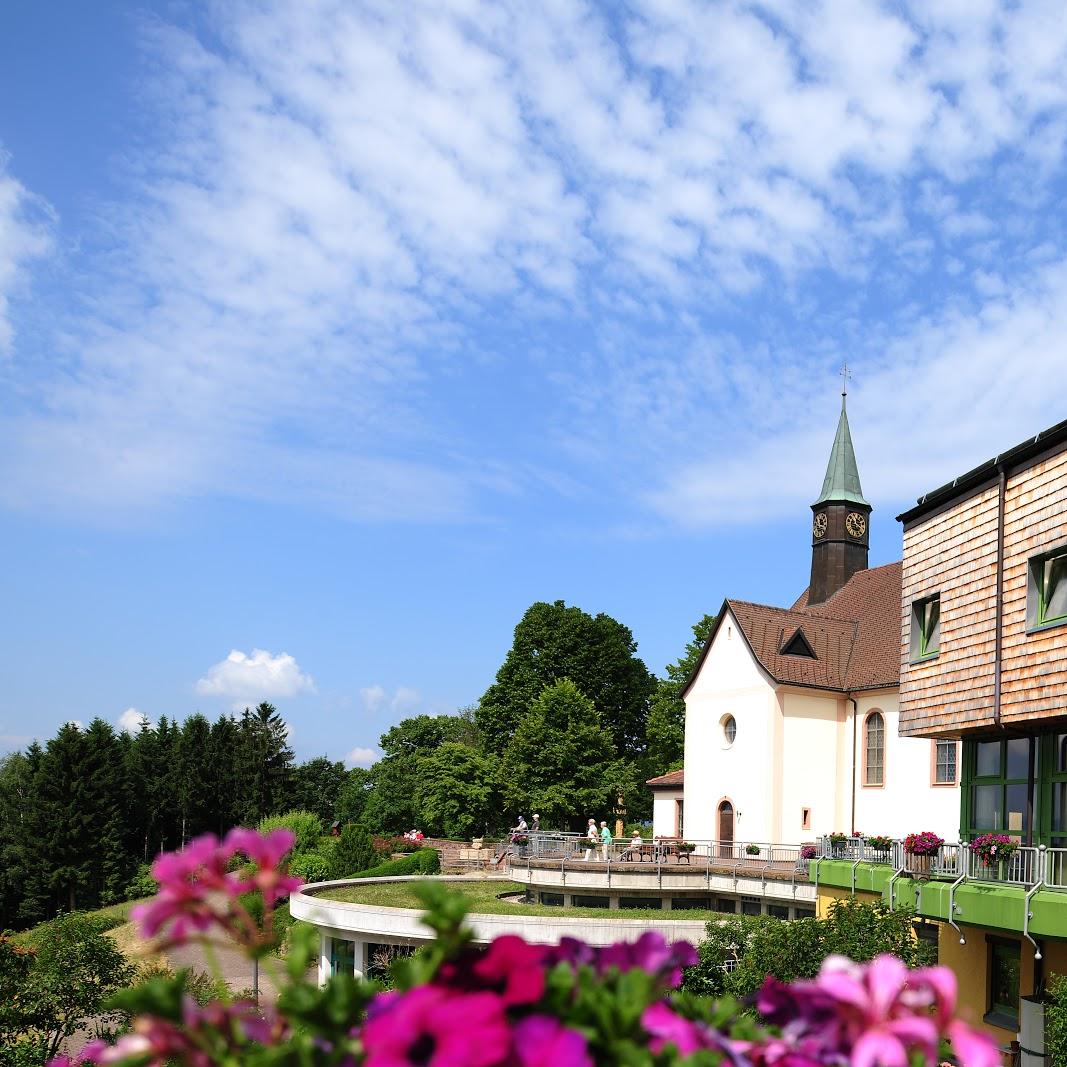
(1005, 966)
(999, 787)
(1047, 590)
(926, 628)
(1052, 820)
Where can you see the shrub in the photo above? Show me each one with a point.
(51, 988)
(142, 884)
(423, 861)
(354, 851)
(306, 825)
(311, 866)
(759, 946)
(1056, 1019)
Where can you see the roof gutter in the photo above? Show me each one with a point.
(855, 730)
(999, 636)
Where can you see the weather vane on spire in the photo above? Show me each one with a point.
(846, 377)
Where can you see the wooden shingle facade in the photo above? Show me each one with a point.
(970, 545)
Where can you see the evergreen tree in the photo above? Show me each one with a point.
(223, 745)
(196, 799)
(354, 852)
(110, 866)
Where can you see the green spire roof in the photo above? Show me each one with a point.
(842, 481)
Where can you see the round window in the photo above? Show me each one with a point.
(729, 729)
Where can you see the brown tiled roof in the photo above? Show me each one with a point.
(855, 634)
(666, 781)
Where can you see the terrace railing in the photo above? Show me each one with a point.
(1027, 866)
(574, 850)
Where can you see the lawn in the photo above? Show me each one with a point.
(483, 897)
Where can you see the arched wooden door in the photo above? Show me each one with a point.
(726, 828)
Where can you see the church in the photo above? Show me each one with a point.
(792, 713)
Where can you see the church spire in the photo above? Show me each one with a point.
(840, 534)
(842, 481)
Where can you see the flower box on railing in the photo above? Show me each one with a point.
(752, 850)
(919, 852)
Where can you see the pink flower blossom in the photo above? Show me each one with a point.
(541, 1041)
(266, 851)
(434, 1027)
(514, 968)
(667, 1027)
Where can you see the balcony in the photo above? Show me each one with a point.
(1025, 892)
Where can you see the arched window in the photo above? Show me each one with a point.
(874, 749)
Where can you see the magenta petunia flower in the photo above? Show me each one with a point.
(668, 1028)
(650, 953)
(513, 968)
(433, 1027)
(541, 1041)
(266, 851)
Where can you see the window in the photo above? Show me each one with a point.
(1046, 599)
(805, 818)
(798, 645)
(778, 911)
(679, 818)
(874, 746)
(944, 763)
(999, 786)
(342, 956)
(1003, 983)
(751, 906)
(729, 729)
(925, 628)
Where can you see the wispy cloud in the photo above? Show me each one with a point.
(683, 214)
(376, 699)
(25, 234)
(246, 679)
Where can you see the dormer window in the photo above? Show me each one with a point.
(798, 645)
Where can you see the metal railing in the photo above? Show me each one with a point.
(1027, 866)
(658, 853)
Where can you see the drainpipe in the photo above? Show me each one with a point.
(998, 637)
(855, 728)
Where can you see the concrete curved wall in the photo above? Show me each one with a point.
(405, 924)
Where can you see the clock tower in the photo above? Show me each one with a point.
(840, 528)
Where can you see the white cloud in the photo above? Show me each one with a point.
(131, 720)
(76, 723)
(246, 679)
(376, 698)
(362, 757)
(345, 195)
(25, 234)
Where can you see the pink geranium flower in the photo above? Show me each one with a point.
(541, 1041)
(434, 1027)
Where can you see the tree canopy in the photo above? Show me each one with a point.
(554, 641)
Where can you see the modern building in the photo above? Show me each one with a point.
(983, 664)
(791, 727)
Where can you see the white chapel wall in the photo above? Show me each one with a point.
(908, 802)
(664, 812)
(730, 682)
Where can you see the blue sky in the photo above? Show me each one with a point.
(334, 335)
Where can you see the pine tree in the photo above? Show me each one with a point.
(195, 798)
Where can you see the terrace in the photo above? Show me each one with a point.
(763, 877)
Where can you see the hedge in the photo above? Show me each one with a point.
(422, 861)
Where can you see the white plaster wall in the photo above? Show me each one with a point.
(908, 802)
(732, 682)
(664, 806)
(811, 764)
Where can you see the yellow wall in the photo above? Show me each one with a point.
(828, 893)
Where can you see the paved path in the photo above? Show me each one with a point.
(236, 968)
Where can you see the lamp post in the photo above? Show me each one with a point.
(619, 811)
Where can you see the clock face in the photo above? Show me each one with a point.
(856, 524)
(818, 526)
